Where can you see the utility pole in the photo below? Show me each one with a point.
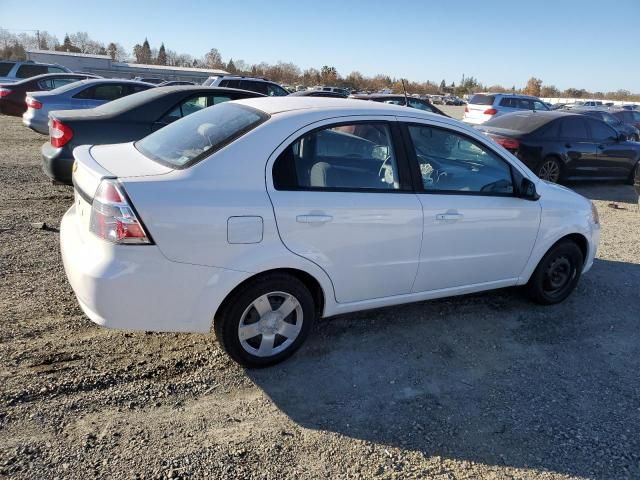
(38, 37)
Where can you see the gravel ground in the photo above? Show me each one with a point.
(483, 386)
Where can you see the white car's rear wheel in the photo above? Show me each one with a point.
(266, 321)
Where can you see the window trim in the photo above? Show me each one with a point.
(402, 163)
(415, 167)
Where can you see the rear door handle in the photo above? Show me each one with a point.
(313, 218)
(449, 216)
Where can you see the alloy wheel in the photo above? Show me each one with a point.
(550, 171)
(270, 324)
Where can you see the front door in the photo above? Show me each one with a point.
(342, 199)
(476, 231)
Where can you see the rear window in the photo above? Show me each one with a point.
(481, 99)
(5, 68)
(186, 141)
(519, 122)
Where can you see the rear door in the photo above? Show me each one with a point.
(342, 199)
(580, 148)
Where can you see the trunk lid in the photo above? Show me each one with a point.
(93, 163)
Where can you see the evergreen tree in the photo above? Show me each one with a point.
(231, 67)
(162, 56)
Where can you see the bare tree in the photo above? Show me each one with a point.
(213, 59)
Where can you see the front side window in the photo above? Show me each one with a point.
(451, 162)
(420, 105)
(357, 156)
(538, 105)
(56, 70)
(196, 136)
(601, 132)
(276, 91)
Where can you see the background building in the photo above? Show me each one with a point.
(103, 65)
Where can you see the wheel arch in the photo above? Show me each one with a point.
(314, 286)
(577, 237)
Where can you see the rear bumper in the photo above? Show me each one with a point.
(57, 163)
(35, 122)
(8, 107)
(135, 287)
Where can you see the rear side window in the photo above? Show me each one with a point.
(108, 92)
(509, 103)
(574, 127)
(349, 157)
(260, 87)
(185, 142)
(56, 70)
(230, 83)
(28, 70)
(481, 99)
(5, 68)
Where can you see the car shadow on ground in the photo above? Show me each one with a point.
(607, 191)
(488, 378)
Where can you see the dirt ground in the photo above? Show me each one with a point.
(483, 386)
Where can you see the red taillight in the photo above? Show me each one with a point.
(508, 143)
(112, 217)
(4, 92)
(60, 133)
(490, 111)
(466, 109)
(33, 103)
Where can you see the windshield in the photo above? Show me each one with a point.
(186, 141)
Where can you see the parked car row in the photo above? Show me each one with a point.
(256, 216)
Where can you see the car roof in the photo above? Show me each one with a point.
(390, 96)
(339, 106)
(46, 76)
(517, 95)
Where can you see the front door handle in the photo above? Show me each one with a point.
(451, 217)
(313, 218)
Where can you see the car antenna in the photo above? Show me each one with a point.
(404, 89)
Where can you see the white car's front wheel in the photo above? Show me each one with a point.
(266, 320)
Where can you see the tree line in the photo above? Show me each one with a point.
(14, 46)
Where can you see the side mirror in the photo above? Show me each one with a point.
(622, 137)
(527, 190)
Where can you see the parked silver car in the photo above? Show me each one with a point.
(482, 107)
(77, 95)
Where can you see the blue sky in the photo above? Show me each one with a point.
(566, 43)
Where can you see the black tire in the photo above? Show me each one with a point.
(547, 165)
(238, 307)
(557, 274)
(634, 175)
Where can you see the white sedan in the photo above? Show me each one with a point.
(256, 217)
